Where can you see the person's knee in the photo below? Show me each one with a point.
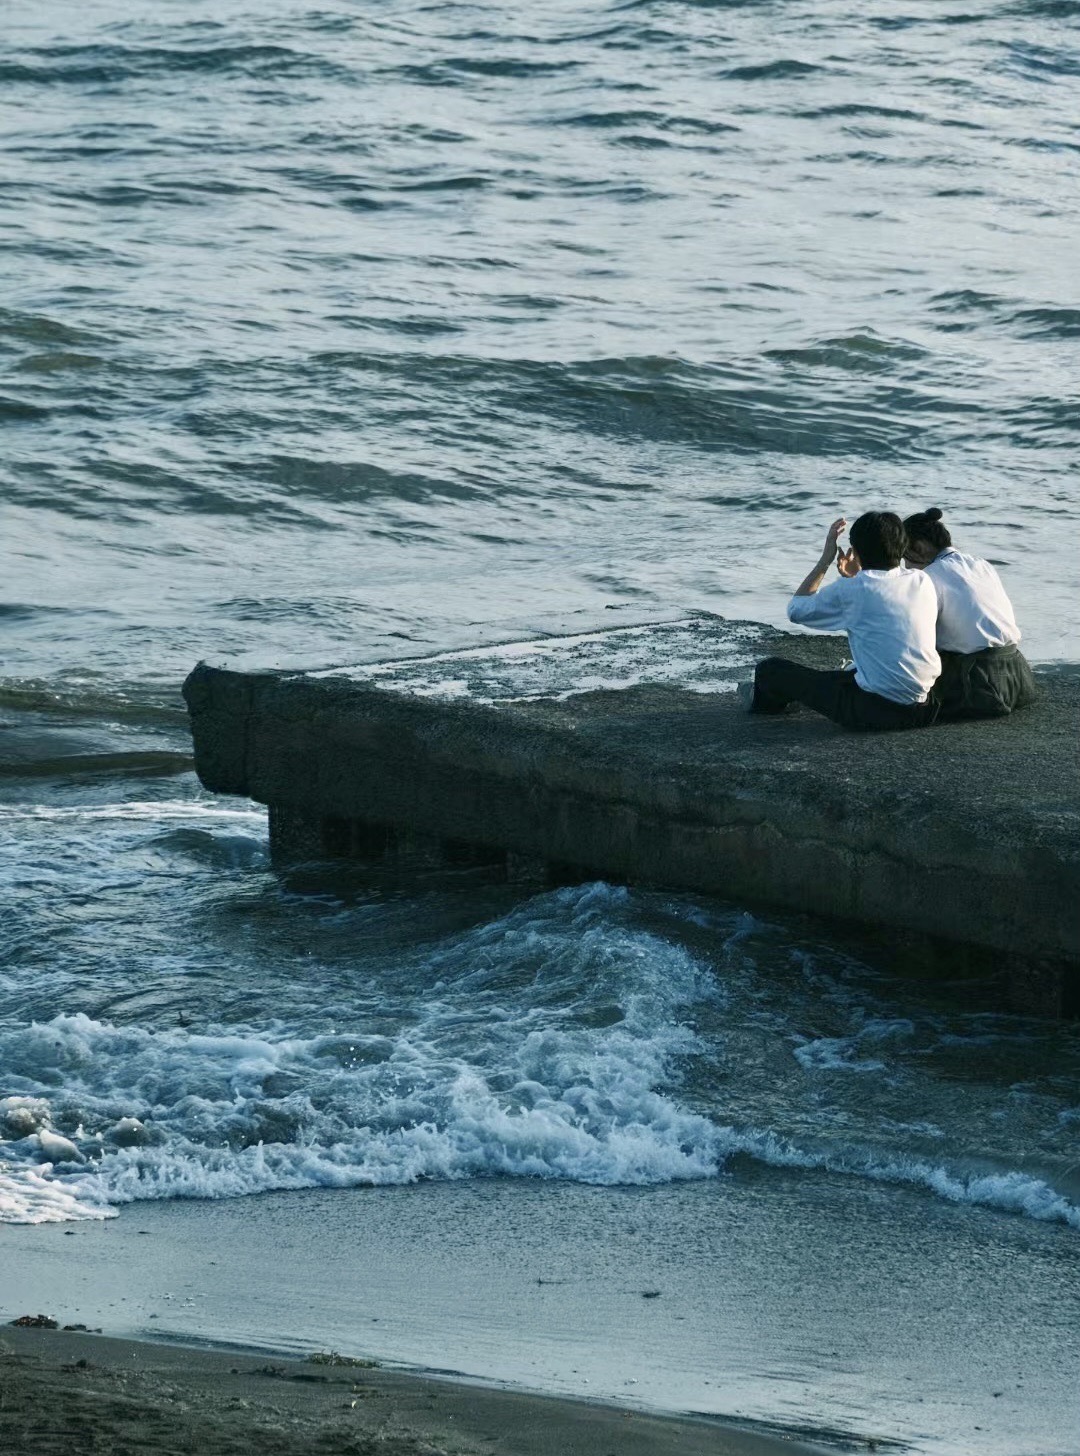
(770, 694)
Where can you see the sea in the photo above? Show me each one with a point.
(354, 333)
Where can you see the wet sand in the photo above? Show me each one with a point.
(732, 1299)
(68, 1393)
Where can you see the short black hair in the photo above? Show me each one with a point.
(928, 526)
(879, 540)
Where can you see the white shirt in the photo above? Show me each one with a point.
(973, 610)
(890, 618)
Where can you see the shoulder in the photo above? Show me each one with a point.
(952, 563)
(920, 587)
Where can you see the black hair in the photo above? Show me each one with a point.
(926, 526)
(879, 540)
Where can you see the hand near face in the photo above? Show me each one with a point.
(847, 563)
(836, 530)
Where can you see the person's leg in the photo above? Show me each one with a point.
(835, 695)
(779, 682)
(870, 713)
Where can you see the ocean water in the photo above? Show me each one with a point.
(359, 332)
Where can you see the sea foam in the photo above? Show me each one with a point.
(477, 1081)
(560, 1040)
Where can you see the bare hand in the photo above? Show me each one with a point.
(847, 563)
(836, 529)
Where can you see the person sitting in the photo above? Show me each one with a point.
(890, 616)
(983, 672)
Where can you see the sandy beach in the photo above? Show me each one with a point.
(732, 1303)
(69, 1392)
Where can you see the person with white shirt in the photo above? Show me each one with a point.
(890, 616)
(983, 672)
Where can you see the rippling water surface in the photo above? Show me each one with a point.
(365, 330)
(329, 325)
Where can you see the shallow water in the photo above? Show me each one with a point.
(345, 333)
(193, 1026)
(813, 1305)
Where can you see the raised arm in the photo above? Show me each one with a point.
(812, 584)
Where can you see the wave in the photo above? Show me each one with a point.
(1049, 323)
(1046, 9)
(619, 119)
(1040, 61)
(690, 5)
(860, 353)
(227, 1115)
(152, 811)
(966, 300)
(147, 763)
(548, 1090)
(1005, 1190)
(35, 328)
(751, 405)
(19, 409)
(773, 71)
(137, 704)
(852, 108)
(352, 481)
(110, 64)
(551, 1043)
(31, 1195)
(27, 612)
(56, 361)
(451, 69)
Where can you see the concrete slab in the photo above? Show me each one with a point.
(966, 832)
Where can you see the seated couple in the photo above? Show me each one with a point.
(931, 641)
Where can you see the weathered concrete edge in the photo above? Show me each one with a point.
(468, 774)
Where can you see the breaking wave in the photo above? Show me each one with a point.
(559, 1041)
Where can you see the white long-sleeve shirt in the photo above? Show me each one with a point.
(973, 609)
(890, 618)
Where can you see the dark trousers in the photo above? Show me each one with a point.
(778, 683)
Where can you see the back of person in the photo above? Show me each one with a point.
(983, 672)
(973, 609)
(889, 617)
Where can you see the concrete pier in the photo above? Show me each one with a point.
(965, 834)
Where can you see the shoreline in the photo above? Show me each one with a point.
(728, 1301)
(68, 1391)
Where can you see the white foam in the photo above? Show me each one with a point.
(31, 1195)
(533, 1093)
(699, 653)
(154, 810)
(578, 1107)
(547, 1044)
(834, 1054)
(846, 1053)
(57, 1149)
(1009, 1191)
(20, 1116)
